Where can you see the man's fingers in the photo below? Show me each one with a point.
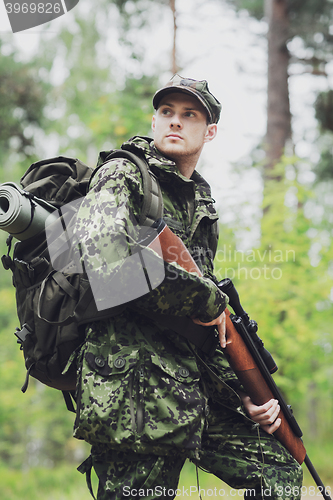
(266, 414)
(220, 323)
(265, 410)
(270, 415)
(273, 427)
(222, 333)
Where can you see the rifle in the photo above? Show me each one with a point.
(255, 373)
(245, 351)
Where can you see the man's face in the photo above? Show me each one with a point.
(180, 126)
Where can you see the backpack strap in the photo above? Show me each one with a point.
(214, 237)
(70, 400)
(6, 260)
(152, 208)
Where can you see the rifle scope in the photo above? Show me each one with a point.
(229, 289)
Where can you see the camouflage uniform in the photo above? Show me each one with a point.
(145, 403)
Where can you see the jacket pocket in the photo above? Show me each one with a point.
(107, 407)
(174, 403)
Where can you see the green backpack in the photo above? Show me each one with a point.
(54, 300)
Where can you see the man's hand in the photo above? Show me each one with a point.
(265, 415)
(219, 322)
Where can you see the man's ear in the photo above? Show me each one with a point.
(153, 120)
(211, 132)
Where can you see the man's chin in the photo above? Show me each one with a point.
(172, 151)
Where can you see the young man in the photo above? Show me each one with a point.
(147, 399)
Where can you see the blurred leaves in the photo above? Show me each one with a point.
(324, 115)
(22, 100)
(93, 104)
(286, 285)
(324, 110)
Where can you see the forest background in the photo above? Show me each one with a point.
(83, 83)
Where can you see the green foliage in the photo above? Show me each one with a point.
(310, 20)
(75, 89)
(112, 121)
(285, 285)
(22, 98)
(324, 114)
(300, 13)
(324, 168)
(58, 483)
(134, 12)
(65, 483)
(254, 7)
(35, 427)
(324, 110)
(95, 106)
(316, 14)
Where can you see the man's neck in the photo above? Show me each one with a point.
(186, 164)
(186, 171)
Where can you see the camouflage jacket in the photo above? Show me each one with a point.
(140, 384)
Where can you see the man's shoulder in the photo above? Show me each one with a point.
(145, 146)
(117, 165)
(114, 173)
(136, 145)
(140, 144)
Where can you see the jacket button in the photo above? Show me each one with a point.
(99, 361)
(183, 372)
(119, 363)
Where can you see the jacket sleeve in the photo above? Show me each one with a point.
(119, 268)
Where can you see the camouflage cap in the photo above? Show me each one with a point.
(196, 88)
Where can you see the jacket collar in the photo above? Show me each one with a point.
(163, 166)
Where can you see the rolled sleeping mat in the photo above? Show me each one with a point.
(20, 215)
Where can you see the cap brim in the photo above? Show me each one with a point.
(175, 88)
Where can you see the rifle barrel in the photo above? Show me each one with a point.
(316, 478)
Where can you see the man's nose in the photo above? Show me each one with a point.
(176, 122)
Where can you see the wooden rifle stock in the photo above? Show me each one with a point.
(171, 248)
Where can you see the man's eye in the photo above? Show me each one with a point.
(166, 111)
(189, 114)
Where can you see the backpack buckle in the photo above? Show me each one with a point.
(22, 334)
(6, 262)
(25, 267)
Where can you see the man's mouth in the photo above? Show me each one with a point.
(174, 136)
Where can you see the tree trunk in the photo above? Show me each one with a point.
(278, 133)
(174, 65)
